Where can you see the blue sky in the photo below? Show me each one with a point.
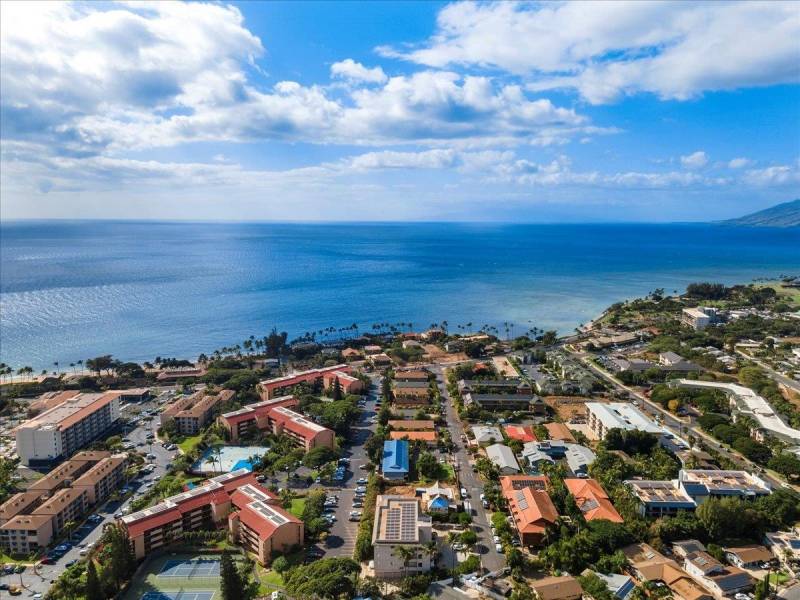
(399, 111)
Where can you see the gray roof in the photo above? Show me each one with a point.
(502, 456)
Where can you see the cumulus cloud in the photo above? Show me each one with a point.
(604, 50)
(739, 163)
(355, 71)
(695, 160)
(139, 76)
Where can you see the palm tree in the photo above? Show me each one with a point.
(405, 553)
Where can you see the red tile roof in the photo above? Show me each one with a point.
(523, 433)
(592, 500)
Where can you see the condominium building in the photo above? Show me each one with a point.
(303, 431)
(412, 375)
(692, 488)
(499, 402)
(411, 393)
(699, 318)
(399, 522)
(602, 418)
(191, 413)
(234, 500)
(62, 430)
(530, 506)
(253, 417)
(276, 387)
(29, 520)
(261, 526)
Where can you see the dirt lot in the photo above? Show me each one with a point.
(438, 355)
(568, 407)
(504, 367)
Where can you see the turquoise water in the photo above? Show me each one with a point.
(74, 290)
(228, 458)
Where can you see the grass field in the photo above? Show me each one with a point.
(149, 581)
(787, 293)
(189, 443)
(298, 504)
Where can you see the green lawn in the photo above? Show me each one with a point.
(298, 504)
(778, 578)
(272, 578)
(791, 294)
(189, 443)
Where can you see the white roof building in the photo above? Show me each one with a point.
(485, 434)
(750, 403)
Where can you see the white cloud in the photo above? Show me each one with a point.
(696, 160)
(778, 175)
(387, 159)
(739, 163)
(676, 50)
(152, 75)
(355, 71)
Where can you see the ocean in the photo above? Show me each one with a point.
(137, 290)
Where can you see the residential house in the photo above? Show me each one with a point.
(503, 458)
(564, 587)
(394, 464)
(523, 433)
(751, 556)
(592, 500)
(721, 580)
(485, 434)
(646, 564)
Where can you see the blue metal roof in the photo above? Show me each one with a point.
(395, 456)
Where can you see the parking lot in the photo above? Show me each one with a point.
(37, 580)
(342, 536)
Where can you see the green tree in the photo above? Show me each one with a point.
(427, 466)
(93, 589)
(326, 578)
(230, 582)
(336, 389)
(280, 565)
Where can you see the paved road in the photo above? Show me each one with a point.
(678, 426)
(490, 558)
(39, 580)
(772, 373)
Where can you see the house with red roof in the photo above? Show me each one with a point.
(530, 506)
(523, 433)
(592, 500)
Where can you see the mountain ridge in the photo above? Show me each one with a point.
(786, 214)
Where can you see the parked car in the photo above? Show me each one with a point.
(362, 480)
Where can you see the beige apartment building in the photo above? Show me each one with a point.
(30, 520)
(192, 413)
(399, 521)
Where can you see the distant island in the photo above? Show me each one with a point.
(786, 214)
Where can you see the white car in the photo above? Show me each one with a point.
(499, 548)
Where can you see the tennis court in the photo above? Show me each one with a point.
(178, 576)
(190, 568)
(178, 596)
